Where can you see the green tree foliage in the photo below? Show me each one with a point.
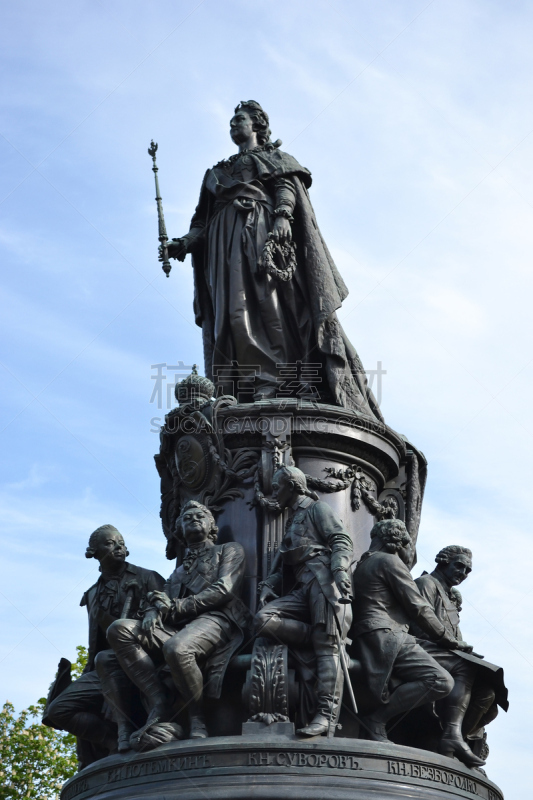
(35, 761)
(80, 663)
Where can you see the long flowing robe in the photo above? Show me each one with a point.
(248, 318)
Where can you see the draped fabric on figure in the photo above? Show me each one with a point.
(246, 315)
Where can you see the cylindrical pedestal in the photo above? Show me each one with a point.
(347, 459)
(225, 455)
(278, 767)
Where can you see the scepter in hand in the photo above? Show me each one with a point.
(163, 238)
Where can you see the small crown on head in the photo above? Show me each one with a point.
(194, 389)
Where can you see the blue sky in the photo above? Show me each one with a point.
(416, 121)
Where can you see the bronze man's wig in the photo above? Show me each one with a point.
(179, 522)
(392, 533)
(447, 554)
(103, 530)
(298, 478)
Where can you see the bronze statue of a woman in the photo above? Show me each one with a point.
(266, 287)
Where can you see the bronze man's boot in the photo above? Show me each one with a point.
(116, 689)
(329, 691)
(453, 710)
(197, 727)
(142, 672)
(288, 631)
(86, 725)
(140, 669)
(405, 697)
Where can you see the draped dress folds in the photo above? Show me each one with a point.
(252, 323)
(259, 323)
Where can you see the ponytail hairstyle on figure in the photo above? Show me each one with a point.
(447, 554)
(298, 478)
(392, 533)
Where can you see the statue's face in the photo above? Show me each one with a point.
(457, 570)
(283, 490)
(111, 549)
(196, 526)
(241, 127)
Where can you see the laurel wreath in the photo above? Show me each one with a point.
(278, 260)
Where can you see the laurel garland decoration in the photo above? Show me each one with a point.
(278, 260)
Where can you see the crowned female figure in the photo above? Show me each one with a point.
(266, 287)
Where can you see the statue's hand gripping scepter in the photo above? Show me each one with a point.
(163, 238)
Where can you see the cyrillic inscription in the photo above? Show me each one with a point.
(302, 759)
(75, 789)
(156, 767)
(436, 774)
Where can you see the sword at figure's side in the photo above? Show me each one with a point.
(163, 238)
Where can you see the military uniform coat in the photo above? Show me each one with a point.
(105, 602)
(386, 599)
(315, 545)
(209, 582)
(439, 598)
